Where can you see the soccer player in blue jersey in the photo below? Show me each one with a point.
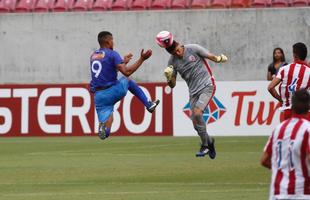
(108, 90)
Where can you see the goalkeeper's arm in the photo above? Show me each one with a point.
(219, 59)
(206, 54)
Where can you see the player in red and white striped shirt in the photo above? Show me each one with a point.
(287, 153)
(291, 77)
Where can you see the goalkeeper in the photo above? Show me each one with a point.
(189, 61)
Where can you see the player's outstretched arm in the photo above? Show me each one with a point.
(128, 70)
(218, 59)
(206, 54)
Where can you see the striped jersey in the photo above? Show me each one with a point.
(289, 146)
(293, 77)
(193, 68)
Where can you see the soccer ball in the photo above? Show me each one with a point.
(164, 39)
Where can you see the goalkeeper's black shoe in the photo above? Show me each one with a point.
(211, 147)
(153, 106)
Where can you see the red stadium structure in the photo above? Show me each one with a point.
(19, 6)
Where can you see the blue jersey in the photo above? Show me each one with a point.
(103, 66)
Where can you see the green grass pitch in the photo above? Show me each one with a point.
(131, 168)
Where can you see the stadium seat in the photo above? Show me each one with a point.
(101, 5)
(82, 5)
(279, 3)
(141, 4)
(63, 5)
(25, 6)
(297, 3)
(161, 4)
(219, 4)
(44, 5)
(3, 7)
(199, 4)
(121, 4)
(239, 3)
(7, 6)
(180, 4)
(259, 3)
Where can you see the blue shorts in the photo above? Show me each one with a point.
(106, 99)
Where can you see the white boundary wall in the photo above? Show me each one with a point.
(55, 47)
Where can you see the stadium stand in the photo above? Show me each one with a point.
(220, 4)
(259, 3)
(83, 5)
(161, 4)
(101, 5)
(141, 4)
(25, 6)
(7, 6)
(121, 4)
(199, 4)
(300, 3)
(63, 5)
(240, 3)
(180, 4)
(44, 5)
(279, 3)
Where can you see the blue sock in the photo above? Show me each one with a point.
(137, 91)
(107, 131)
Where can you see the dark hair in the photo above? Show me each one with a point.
(281, 50)
(171, 48)
(300, 50)
(102, 36)
(301, 101)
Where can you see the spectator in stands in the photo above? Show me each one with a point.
(277, 63)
